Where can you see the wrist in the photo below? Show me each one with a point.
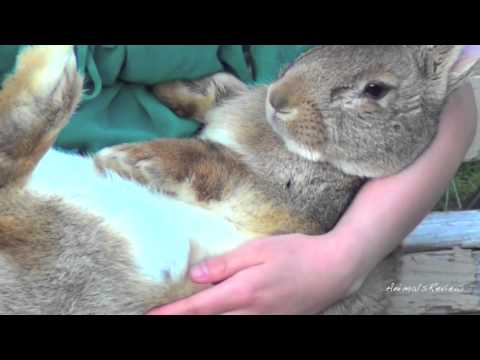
(346, 262)
(348, 242)
(354, 249)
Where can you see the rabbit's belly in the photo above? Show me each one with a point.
(159, 229)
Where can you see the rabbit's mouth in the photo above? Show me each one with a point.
(275, 121)
(270, 112)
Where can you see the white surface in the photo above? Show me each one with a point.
(158, 228)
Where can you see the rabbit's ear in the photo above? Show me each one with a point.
(437, 61)
(440, 64)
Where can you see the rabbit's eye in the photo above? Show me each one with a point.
(376, 90)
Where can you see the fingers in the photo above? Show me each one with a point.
(229, 296)
(220, 299)
(219, 268)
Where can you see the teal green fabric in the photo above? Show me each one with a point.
(117, 106)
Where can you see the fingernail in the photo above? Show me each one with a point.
(199, 272)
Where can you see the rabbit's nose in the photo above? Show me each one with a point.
(278, 99)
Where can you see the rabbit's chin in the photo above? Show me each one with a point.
(303, 151)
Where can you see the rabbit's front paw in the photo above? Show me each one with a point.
(181, 168)
(194, 99)
(125, 161)
(184, 98)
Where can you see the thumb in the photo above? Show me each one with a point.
(219, 268)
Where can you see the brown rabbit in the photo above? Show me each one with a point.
(270, 160)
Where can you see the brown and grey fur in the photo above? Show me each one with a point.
(291, 171)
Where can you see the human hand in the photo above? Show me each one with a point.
(289, 274)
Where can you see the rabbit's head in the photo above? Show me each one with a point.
(370, 110)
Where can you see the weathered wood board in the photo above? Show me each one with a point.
(439, 269)
(440, 282)
(445, 230)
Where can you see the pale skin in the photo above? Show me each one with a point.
(298, 274)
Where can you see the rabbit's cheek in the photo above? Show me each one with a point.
(360, 107)
(367, 108)
(310, 135)
(309, 124)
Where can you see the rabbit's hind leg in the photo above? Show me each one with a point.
(36, 102)
(193, 99)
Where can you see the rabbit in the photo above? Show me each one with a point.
(282, 158)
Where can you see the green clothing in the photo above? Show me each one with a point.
(118, 107)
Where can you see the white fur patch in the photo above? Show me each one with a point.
(159, 229)
(303, 151)
(220, 135)
(356, 169)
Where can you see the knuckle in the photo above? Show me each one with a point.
(217, 266)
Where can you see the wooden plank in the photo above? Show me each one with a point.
(445, 230)
(440, 282)
(438, 268)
